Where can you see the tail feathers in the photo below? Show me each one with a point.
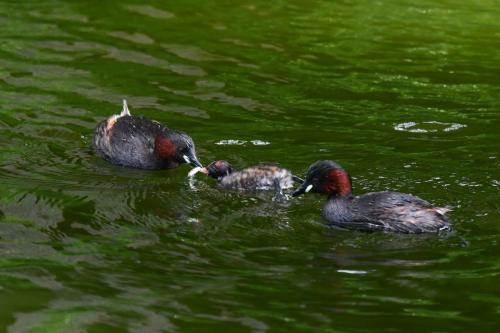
(297, 179)
(125, 111)
(443, 210)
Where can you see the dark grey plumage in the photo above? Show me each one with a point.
(386, 211)
(138, 142)
(377, 211)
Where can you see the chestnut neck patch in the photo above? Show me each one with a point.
(164, 147)
(338, 183)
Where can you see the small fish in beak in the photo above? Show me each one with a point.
(195, 170)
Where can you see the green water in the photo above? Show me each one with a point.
(404, 94)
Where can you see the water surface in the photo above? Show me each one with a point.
(403, 94)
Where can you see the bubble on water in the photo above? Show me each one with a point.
(428, 127)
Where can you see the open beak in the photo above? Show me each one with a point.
(304, 188)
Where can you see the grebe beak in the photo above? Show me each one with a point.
(304, 188)
(192, 160)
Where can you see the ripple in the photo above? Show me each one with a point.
(146, 59)
(352, 271)
(134, 37)
(246, 103)
(121, 55)
(61, 13)
(210, 84)
(194, 53)
(428, 127)
(150, 11)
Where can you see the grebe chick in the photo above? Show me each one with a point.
(253, 178)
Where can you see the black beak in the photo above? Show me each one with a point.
(305, 187)
(192, 160)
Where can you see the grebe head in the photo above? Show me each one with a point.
(177, 146)
(218, 169)
(326, 177)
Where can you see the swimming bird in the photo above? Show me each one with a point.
(377, 211)
(258, 177)
(138, 142)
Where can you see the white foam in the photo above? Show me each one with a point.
(259, 142)
(236, 142)
(434, 127)
(230, 142)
